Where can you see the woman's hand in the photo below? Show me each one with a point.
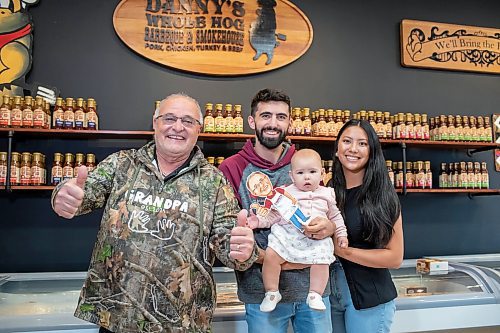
(343, 252)
(319, 228)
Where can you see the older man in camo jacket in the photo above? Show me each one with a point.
(168, 214)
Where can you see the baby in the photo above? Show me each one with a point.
(286, 210)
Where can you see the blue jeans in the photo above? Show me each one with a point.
(304, 319)
(346, 319)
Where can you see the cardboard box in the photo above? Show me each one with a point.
(429, 266)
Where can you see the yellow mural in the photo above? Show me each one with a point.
(15, 45)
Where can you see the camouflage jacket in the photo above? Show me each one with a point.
(151, 267)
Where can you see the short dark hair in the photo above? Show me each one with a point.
(269, 95)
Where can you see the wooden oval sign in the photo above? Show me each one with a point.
(216, 37)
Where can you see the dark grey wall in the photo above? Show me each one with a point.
(354, 62)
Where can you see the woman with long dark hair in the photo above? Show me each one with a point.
(362, 297)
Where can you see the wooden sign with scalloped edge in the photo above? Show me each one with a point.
(449, 46)
(215, 37)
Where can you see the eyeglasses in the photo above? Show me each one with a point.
(170, 119)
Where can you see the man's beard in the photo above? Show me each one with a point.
(270, 143)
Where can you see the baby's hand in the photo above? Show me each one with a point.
(253, 221)
(342, 242)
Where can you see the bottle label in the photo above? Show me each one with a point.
(27, 118)
(428, 180)
(485, 181)
(209, 125)
(306, 125)
(15, 175)
(482, 134)
(57, 174)
(463, 181)
(443, 132)
(58, 118)
(38, 118)
(420, 180)
(399, 180)
(471, 180)
(331, 128)
(238, 125)
(68, 172)
(79, 118)
(25, 175)
(475, 135)
(297, 127)
(443, 180)
(229, 125)
(477, 181)
(92, 121)
(36, 175)
(322, 128)
(410, 131)
(16, 117)
(467, 134)
(401, 132)
(419, 135)
(3, 174)
(69, 119)
(452, 136)
(4, 117)
(220, 125)
(426, 132)
(410, 180)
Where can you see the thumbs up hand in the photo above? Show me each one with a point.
(70, 195)
(242, 240)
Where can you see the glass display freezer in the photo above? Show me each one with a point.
(463, 298)
(466, 297)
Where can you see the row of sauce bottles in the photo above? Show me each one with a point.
(418, 174)
(466, 175)
(76, 114)
(29, 112)
(26, 169)
(29, 168)
(227, 120)
(399, 126)
(461, 128)
(66, 166)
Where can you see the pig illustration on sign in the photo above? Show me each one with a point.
(16, 41)
(263, 37)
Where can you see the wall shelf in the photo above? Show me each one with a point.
(472, 192)
(471, 147)
(30, 188)
(146, 135)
